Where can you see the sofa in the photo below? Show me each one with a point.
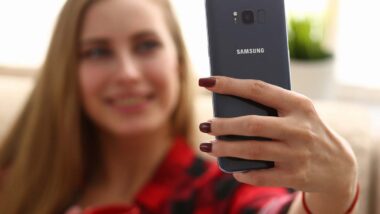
(350, 120)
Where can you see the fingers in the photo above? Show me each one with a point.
(270, 95)
(251, 125)
(274, 177)
(250, 150)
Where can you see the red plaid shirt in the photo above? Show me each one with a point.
(185, 183)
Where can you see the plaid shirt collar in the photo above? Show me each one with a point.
(170, 174)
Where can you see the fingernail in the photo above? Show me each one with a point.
(207, 82)
(206, 147)
(205, 127)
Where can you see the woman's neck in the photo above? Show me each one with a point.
(126, 165)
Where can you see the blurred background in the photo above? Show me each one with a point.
(334, 48)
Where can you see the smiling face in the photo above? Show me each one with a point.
(128, 70)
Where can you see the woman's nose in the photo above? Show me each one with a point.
(128, 69)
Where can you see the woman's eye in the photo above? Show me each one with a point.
(147, 46)
(96, 53)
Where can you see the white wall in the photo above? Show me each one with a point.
(358, 44)
(25, 30)
(192, 17)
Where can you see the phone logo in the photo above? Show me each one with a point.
(250, 51)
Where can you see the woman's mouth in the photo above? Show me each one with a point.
(125, 102)
(130, 104)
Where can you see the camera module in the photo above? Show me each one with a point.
(247, 17)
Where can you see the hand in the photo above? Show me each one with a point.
(308, 155)
(74, 210)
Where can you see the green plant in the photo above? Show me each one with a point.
(305, 40)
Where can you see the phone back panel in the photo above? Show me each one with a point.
(258, 50)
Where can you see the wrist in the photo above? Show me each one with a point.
(320, 203)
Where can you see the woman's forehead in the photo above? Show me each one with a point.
(122, 18)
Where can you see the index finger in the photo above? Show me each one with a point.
(256, 90)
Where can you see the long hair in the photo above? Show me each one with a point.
(51, 148)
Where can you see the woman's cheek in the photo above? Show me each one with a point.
(91, 83)
(166, 79)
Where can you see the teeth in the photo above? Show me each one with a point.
(129, 101)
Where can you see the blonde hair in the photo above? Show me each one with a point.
(46, 155)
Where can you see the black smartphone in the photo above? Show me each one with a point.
(247, 40)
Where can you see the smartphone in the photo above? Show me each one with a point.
(247, 40)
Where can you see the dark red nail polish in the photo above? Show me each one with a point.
(206, 147)
(205, 127)
(207, 82)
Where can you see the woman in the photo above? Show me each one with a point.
(108, 124)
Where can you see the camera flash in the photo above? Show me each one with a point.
(235, 14)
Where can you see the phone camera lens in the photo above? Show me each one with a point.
(247, 17)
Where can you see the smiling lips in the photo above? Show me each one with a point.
(130, 104)
(132, 101)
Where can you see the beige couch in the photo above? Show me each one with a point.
(350, 120)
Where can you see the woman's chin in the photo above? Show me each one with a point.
(133, 130)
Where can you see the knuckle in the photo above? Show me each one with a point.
(257, 86)
(229, 83)
(310, 137)
(224, 83)
(218, 126)
(306, 105)
(221, 83)
(253, 126)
